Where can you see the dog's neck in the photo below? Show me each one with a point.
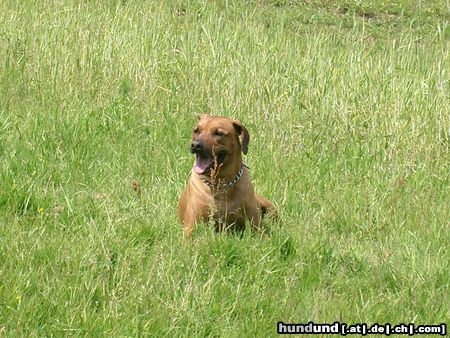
(220, 183)
(230, 171)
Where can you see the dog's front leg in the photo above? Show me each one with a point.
(193, 215)
(254, 216)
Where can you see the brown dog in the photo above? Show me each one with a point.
(219, 187)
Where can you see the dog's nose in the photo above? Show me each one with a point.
(196, 147)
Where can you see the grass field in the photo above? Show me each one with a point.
(347, 106)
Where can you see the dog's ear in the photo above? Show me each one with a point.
(244, 136)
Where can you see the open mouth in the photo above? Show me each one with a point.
(204, 164)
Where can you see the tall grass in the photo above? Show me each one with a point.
(347, 106)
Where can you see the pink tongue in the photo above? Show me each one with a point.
(201, 164)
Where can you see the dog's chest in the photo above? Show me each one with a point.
(226, 208)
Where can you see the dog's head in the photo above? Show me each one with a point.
(217, 143)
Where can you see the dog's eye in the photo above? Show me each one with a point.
(217, 132)
(195, 130)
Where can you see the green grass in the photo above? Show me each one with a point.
(347, 106)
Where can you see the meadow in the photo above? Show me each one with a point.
(346, 103)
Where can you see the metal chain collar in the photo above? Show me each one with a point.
(224, 185)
